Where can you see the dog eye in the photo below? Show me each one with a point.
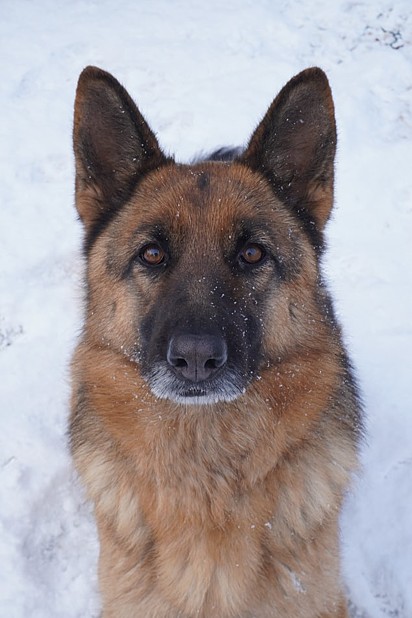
(252, 254)
(152, 255)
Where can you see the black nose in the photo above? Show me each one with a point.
(196, 357)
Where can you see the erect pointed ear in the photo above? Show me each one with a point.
(294, 146)
(113, 145)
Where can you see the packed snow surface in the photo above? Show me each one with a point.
(203, 73)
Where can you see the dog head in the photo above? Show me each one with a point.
(204, 274)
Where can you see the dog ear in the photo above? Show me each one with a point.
(294, 146)
(113, 145)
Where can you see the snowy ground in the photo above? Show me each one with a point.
(203, 73)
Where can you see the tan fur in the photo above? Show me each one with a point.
(227, 510)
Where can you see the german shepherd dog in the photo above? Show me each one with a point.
(215, 418)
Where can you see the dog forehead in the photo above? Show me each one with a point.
(215, 192)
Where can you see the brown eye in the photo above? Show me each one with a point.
(152, 255)
(252, 254)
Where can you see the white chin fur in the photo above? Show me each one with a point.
(200, 400)
(163, 387)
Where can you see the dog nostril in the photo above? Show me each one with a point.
(178, 362)
(215, 363)
(211, 363)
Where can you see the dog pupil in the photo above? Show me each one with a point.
(252, 254)
(153, 255)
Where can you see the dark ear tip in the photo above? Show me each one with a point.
(313, 75)
(92, 73)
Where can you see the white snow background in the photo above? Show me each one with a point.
(203, 74)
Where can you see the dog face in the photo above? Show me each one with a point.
(204, 275)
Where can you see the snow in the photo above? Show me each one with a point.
(203, 74)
